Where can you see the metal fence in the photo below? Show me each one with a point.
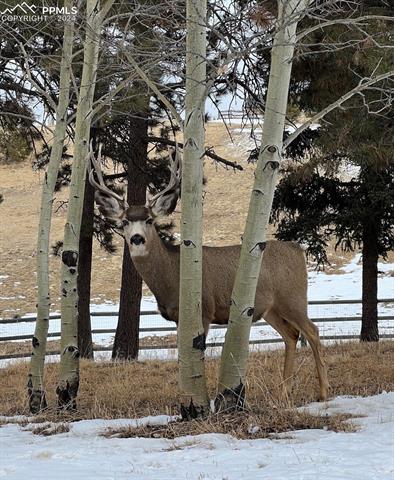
(156, 333)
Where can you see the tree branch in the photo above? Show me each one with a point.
(166, 141)
(344, 21)
(363, 84)
(208, 152)
(154, 88)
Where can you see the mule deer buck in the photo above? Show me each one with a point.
(281, 295)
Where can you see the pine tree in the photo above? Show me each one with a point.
(318, 200)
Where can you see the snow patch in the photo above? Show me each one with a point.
(301, 455)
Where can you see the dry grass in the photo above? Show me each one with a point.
(9, 348)
(130, 390)
(49, 429)
(225, 207)
(268, 423)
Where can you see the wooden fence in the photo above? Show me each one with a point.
(172, 329)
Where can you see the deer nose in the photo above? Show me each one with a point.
(137, 239)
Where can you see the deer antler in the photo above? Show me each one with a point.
(175, 177)
(100, 185)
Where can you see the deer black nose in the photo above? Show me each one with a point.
(137, 239)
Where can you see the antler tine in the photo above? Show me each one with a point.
(175, 176)
(100, 185)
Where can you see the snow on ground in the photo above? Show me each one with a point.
(367, 454)
(347, 285)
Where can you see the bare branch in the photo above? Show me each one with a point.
(208, 152)
(363, 84)
(342, 21)
(154, 88)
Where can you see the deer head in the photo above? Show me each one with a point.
(136, 221)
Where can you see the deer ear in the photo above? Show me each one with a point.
(166, 204)
(108, 206)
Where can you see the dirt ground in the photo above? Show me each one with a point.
(225, 206)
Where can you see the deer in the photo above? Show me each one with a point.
(281, 294)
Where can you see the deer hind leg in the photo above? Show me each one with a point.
(290, 337)
(311, 332)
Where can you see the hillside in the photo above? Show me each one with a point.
(225, 207)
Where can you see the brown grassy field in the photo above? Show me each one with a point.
(225, 206)
(9, 348)
(130, 390)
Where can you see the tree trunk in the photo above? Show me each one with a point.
(67, 388)
(236, 346)
(35, 382)
(126, 343)
(369, 321)
(85, 343)
(191, 336)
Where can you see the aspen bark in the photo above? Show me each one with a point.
(67, 388)
(236, 346)
(191, 337)
(35, 383)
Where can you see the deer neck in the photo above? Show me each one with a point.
(160, 271)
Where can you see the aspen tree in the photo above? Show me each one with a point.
(35, 384)
(236, 346)
(191, 337)
(68, 384)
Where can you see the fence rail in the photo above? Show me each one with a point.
(114, 313)
(172, 329)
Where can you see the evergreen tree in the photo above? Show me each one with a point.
(345, 190)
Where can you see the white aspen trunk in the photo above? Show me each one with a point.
(191, 337)
(236, 347)
(35, 382)
(67, 388)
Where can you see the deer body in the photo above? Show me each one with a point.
(219, 269)
(281, 294)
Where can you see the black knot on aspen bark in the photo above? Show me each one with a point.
(72, 271)
(248, 312)
(191, 144)
(37, 401)
(35, 342)
(189, 243)
(73, 350)
(231, 399)
(274, 164)
(199, 342)
(66, 397)
(191, 412)
(64, 292)
(272, 148)
(257, 250)
(70, 258)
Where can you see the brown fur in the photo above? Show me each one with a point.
(281, 295)
(133, 214)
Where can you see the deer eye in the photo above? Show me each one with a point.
(149, 221)
(125, 223)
